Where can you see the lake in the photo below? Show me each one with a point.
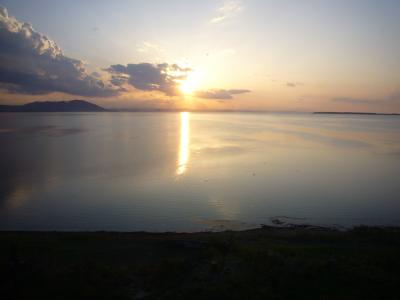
(197, 171)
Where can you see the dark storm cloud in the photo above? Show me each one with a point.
(220, 93)
(32, 63)
(150, 77)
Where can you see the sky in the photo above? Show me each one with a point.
(287, 55)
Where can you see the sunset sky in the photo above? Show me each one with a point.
(315, 55)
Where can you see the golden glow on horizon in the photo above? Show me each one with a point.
(184, 144)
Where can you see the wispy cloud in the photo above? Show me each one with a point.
(290, 84)
(354, 100)
(220, 94)
(394, 97)
(228, 10)
(293, 84)
(147, 47)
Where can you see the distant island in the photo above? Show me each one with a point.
(54, 106)
(352, 113)
(85, 106)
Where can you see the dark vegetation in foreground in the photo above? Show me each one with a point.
(267, 263)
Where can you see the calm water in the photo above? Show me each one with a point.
(196, 171)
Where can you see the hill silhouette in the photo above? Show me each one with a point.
(54, 106)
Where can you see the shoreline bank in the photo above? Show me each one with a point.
(269, 262)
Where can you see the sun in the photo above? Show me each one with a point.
(187, 87)
(191, 83)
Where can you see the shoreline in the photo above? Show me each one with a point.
(220, 226)
(269, 262)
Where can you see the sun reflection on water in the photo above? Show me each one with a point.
(184, 143)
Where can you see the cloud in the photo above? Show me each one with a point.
(293, 84)
(228, 10)
(150, 77)
(32, 63)
(147, 47)
(220, 93)
(353, 100)
(394, 97)
(290, 84)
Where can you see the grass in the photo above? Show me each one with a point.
(267, 263)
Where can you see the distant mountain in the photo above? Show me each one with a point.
(54, 106)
